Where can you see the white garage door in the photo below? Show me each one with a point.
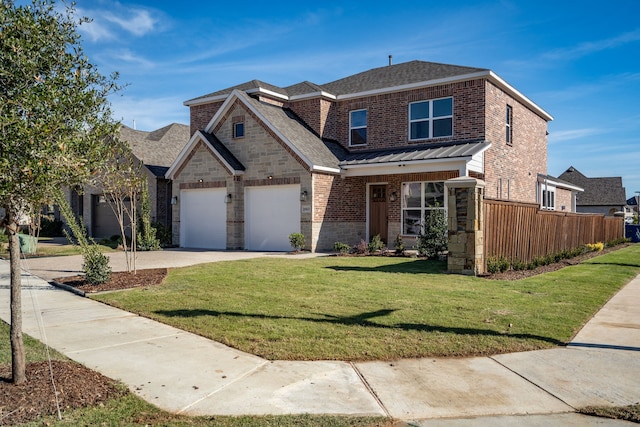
(203, 218)
(271, 214)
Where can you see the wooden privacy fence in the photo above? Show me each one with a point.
(523, 231)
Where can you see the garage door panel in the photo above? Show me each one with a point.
(271, 214)
(203, 218)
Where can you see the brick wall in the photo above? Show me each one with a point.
(511, 170)
(200, 115)
(388, 115)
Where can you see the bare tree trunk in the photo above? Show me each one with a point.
(18, 366)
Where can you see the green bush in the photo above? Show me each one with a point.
(433, 239)
(163, 234)
(398, 245)
(341, 248)
(297, 241)
(376, 244)
(497, 264)
(96, 265)
(50, 227)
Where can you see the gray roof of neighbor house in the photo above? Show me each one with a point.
(604, 191)
(376, 78)
(159, 148)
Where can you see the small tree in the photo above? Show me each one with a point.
(432, 239)
(54, 121)
(147, 240)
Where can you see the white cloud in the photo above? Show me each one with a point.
(138, 22)
(109, 24)
(571, 134)
(587, 48)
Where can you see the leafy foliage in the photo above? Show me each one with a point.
(341, 248)
(297, 241)
(376, 244)
(432, 239)
(147, 240)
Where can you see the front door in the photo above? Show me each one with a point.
(378, 211)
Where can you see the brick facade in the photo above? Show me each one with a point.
(336, 206)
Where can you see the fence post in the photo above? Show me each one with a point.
(465, 223)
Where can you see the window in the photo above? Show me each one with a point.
(238, 130)
(358, 127)
(418, 199)
(549, 199)
(509, 127)
(431, 119)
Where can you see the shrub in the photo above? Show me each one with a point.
(341, 248)
(361, 248)
(297, 242)
(595, 247)
(375, 244)
(398, 244)
(497, 264)
(432, 239)
(50, 227)
(518, 265)
(146, 239)
(163, 234)
(96, 265)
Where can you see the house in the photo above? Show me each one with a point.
(156, 150)
(601, 195)
(357, 157)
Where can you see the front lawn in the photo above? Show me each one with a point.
(377, 308)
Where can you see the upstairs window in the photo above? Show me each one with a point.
(431, 119)
(238, 130)
(358, 127)
(509, 127)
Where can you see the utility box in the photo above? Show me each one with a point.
(27, 243)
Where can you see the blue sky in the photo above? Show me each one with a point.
(578, 60)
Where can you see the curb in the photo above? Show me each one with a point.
(68, 288)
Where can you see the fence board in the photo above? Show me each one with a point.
(522, 231)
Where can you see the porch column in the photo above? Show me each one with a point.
(465, 222)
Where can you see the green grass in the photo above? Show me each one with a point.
(377, 308)
(61, 250)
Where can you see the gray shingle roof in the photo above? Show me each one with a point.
(376, 78)
(605, 191)
(296, 132)
(223, 151)
(159, 148)
(449, 150)
(396, 75)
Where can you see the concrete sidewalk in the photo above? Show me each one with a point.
(184, 373)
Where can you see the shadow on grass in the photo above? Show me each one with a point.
(362, 319)
(618, 264)
(413, 266)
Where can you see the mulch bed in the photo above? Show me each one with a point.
(76, 385)
(118, 280)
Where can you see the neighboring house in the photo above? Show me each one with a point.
(156, 150)
(631, 209)
(345, 161)
(601, 195)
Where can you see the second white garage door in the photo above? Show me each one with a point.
(203, 218)
(271, 214)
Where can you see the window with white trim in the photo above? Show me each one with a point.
(358, 127)
(548, 198)
(418, 199)
(431, 119)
